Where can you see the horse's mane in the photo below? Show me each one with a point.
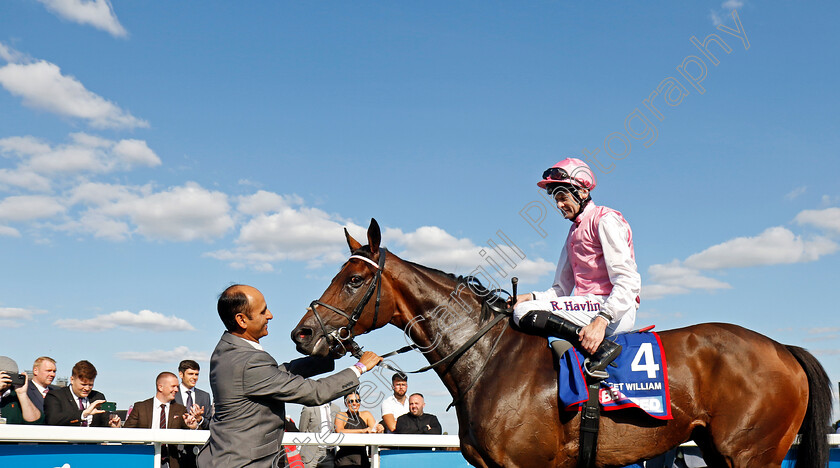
(484, 295)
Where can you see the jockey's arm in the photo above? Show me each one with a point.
(621, 267)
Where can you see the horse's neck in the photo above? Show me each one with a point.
(440, 316)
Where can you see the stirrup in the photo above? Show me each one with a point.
(596, 374)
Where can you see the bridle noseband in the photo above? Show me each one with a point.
(335, 340)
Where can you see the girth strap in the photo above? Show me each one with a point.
(589, 421)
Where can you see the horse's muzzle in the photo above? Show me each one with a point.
(308, 342)
(304, 339)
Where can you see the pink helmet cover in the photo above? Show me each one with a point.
(572, 171)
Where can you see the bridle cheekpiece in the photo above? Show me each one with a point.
(338, 337)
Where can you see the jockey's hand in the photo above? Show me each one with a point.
(592, 335)
(519, 298)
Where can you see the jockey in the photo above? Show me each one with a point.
(597, 262)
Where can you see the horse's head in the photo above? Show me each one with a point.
(358, 300)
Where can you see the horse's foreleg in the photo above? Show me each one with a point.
(472, 456)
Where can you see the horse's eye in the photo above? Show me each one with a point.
(356, 281)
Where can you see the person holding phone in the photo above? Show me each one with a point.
(78, 404)
(15, 405)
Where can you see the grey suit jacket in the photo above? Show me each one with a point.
(200, 398)
(250, 391)
(310, 421)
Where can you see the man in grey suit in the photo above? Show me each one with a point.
(321, 421)
(250, 389)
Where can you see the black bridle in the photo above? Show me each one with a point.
(335, 340)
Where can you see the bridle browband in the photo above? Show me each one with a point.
(352, 318)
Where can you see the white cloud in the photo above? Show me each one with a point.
(41, 165)
(178, 354)
(728, 6)
(9, 54)
(17, 313)
(183, 213)
(23, 146)
(9, 231)
(143, 320)
(795, 193)
(827, 219)
(29, 207)
(675, 278)
(434, 247)
(97, 13)
(94, 193)
(136, 153)
(282, 228)
(42, 86)
(25, 179)
(732, 4)
(715, 17)
(775, 245)
(267, 202)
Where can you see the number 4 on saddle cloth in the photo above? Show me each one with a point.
(640, 379)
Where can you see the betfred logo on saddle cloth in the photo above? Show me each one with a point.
(640, 380)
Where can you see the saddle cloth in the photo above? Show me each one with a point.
(640, 380)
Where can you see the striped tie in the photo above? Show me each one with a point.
(82, 407)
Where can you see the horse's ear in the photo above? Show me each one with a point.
(374, 236)
(353, 243)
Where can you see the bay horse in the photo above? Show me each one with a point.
(741, 396)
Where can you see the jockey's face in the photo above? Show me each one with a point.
(567, 203)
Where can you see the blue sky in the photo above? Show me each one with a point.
(151, 153)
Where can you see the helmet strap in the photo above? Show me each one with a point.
(581, 203)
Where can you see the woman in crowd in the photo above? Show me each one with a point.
(358, 422)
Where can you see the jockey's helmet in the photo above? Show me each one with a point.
(570, 171)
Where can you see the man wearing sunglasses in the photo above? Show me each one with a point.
(597, 264)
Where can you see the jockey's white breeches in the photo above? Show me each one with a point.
(579, 310)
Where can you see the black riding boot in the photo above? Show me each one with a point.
(544, 323)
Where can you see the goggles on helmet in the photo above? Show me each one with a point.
(556, 173)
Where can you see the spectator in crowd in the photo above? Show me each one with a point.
(196, 400)
(358, 422)
(78, 403)
(15, 405)
(415, 421)
(162, 412)
(251, 390)
(318, 419)
(395, 405)
(198, 404)
(43, 373)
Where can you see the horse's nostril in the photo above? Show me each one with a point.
(304, 333)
